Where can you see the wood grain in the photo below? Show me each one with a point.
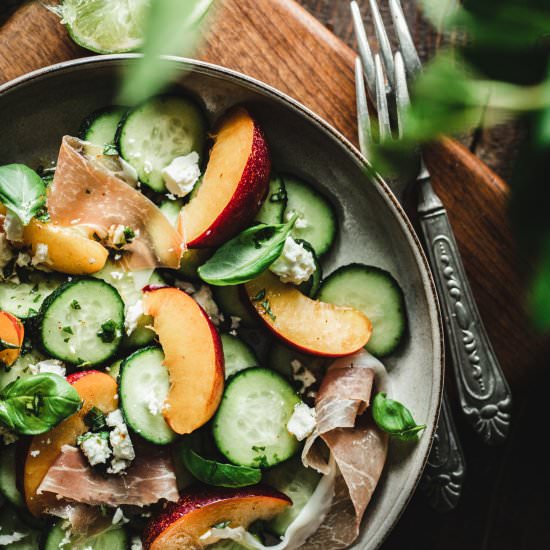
(279, 42)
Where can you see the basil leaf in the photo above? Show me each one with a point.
(247, 255)
(216, 473)
(395, 419)
(34, 405)
(22, 191)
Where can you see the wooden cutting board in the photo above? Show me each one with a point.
(279, 43)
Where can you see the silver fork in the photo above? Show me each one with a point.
(484, 394)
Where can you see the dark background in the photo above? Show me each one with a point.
(504, 504)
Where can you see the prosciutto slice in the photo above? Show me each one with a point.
(86, 193)
(356, 444)
(150, 478)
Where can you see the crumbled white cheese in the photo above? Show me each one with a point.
(235, 322)
(7, 436)
(23, 259)
(6, 540)
(155, 402)
(116, 235)
(136, 544)
(13, 228)
(35, 453)
(53, 366)
(119, 518)
(132, 317)
(301, 222)
(302, 374)
(117, 275)
(41, 254)
(295, 265)
(121, 444)
(302, 422)
(95, 447)
(181, 175)
(92, 261)
(6, 253)
(204, 298)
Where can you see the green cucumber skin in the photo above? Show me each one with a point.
(400, 313)
(272, 212)
(8, 486)
(113, 539)
(42, 320)
(230, 300)
(159, 186)
(231, 439)
(159, 432)
(311, 286)
(238, 355)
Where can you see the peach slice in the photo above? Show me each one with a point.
(193, 356)
(11, 332)
(96, 389)
(308, 325)
(182, 523)
(234, 185)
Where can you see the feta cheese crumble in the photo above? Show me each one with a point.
(301, 222)
(295, 265)
(181, 175)
(121, 444)
(204, 298)
(132, 317)
(119, 235)
(13, 228)
(41, 254)
(302, 422)
(7, 540)
(119, 518)
(52, 366)
(136, 544)
(302, 374)
(95, 447)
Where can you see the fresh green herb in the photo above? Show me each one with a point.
(43, 215)
(267, 309)
(110, 150)
(7, 345)
(68, 330)
(221, 525)
(278, 196)
(172, 27)
(259, 296)
(108, 331)
(95, 420)
(22, 191)
(394, 418)
(129, 234)
(247, 255)
(34, 405)
(75, 305)
(216, 473)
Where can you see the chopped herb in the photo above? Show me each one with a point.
(267, 309)
(110, 150)
(88, 192)
(75, 305)
(257, 448)
(36, 298)
(95, 420)
(68, 330)
(129, 234)
(108, 331)
(43, 215)
(278, 196)
(260, 296)
(32, 312)
(221, 525)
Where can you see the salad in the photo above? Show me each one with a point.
(175, 370)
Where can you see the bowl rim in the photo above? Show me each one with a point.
(438, 371)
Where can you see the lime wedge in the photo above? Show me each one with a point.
(105, 26)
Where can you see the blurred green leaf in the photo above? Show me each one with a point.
(173, 28)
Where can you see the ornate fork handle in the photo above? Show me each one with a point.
(484, 394)
(445, 470)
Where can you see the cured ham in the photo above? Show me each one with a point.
(87, 193)
(358, 447)
(150, 478)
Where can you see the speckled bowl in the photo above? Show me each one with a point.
(39, 108)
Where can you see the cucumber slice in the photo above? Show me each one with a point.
(377, 294)
(317, 222)
(144, 385)
(298, 483)
(250, 426)
(114, 370)
(8, 486)
(237, 355)
(281, 358)
(311, 286)
(273, 208)
(171, 209)
(82, 322)
(25, 537)
(24, 299)
(20, 369)
(191, 260)
(231, 304)
(112, 539)
(104, 26)
(158, 131)
(100, 127)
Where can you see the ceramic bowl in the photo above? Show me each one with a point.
(39, 108)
